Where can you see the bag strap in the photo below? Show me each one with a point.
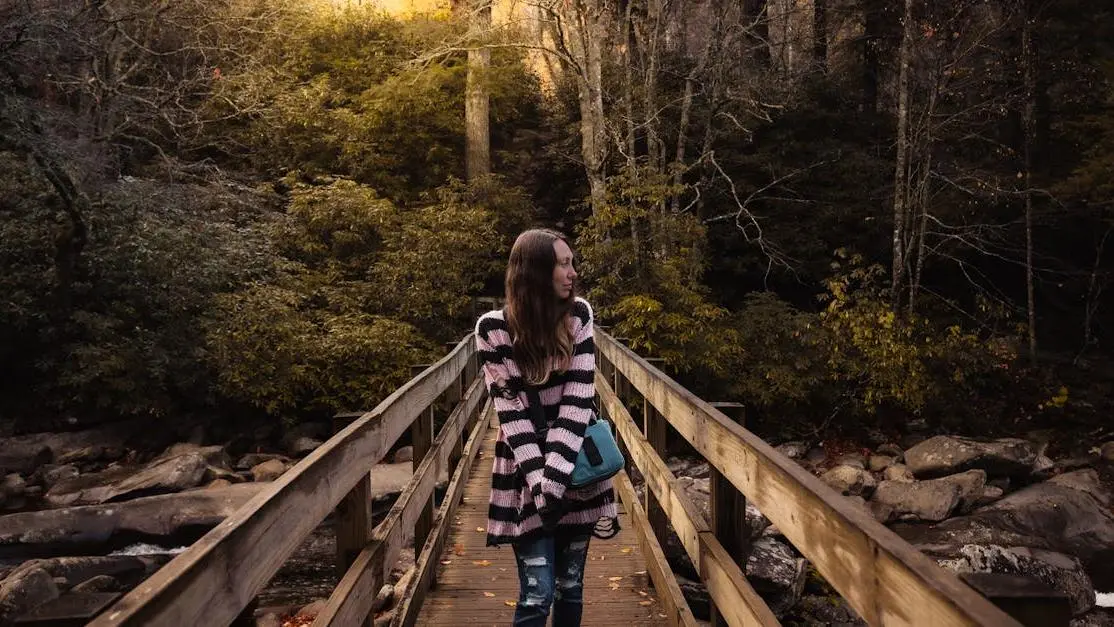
(537, 412)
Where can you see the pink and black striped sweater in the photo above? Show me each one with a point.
(528, 475)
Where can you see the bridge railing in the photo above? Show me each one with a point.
(885, 579)
(219, 575)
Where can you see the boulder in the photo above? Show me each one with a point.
(847, 479)
(1098, 617)
(776, 573)
(302, 446)
(214, 473)
(1106, 452)
(878, 463)
(311, 610)
(268, 471)
(99, 583)
(854, 460)
(932, 500)
(171, 474)
(404, 454)
(269, 619)
(49, 531)
(252, 460)
(756, 521)
(989, 494)
(892, 450)
(1060, 572)
(696, 594)
(383, 598)
(899, 473)
(814, 610)
(792, 450)
(51, 474)
(944, 455)
(1070, 513)
(214, 455)
(13, 486)
(23, 590)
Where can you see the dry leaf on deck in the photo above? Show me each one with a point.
(489, 594)
(480, 529)
(626, 549)
(510, 603)
(481, 563)
(446, 562)
(614, 578)
(458, 549)
(645, 602)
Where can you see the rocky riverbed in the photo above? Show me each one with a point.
(86, 513)
(999, 506)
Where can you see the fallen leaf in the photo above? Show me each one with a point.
(641, 572)
(481, 563)
(480, 529)
(645, 603)
(643, 593)
(446, 562)
(613, 586)
(614, 578)
(489, 594)
(626, 550)
(458, 549)
(510, 603)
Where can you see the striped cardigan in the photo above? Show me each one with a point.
(529, 476)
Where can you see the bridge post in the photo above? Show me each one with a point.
(656, 430)
(453, 395)
(729, 508)
(421, 438)
(353, 513)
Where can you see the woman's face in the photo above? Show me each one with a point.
(564, 275)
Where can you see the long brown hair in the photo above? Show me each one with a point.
(536, 317)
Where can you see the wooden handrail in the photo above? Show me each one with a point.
(352, 598)
(726, 583)
(885, 579)
(213, 580)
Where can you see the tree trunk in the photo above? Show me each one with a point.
(1029, 61)
(820, 34)
(872, 38)
(477, 101)
(590, 27)
(901, 162)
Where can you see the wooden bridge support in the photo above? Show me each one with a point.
(421, 438)
(729, 508)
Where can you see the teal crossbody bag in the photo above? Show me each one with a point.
(599, 457)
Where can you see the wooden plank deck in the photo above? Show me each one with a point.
(468, 569)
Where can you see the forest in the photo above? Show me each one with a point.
(851, 215)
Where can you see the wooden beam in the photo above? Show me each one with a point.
(656, 433)
(421, 438)
(221, 573)
(353, 514)
(884, 578)
(351, 600)
(728, 511)
(677, 611)
(727, 586)
(426, 566)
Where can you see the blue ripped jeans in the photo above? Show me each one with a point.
(551, 572)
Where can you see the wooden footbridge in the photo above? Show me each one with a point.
(459, 581)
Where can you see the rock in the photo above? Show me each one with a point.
(268, 620)
(404, 454)
(311, 610)
(854, 460)
(878, 463)
(302, 446)
(383, 598)
(1002, 483)
(945, 455)
(792, 450)
(1062, 573)
(899, 473)
(1106, 452)
(53, 474)
(700, 470)
(100, 583)
(13, 485)
(252, 460)
(756, 521)
(816, 455)
(214, 455)
(384, 620)
(815, 610)
(1070, 513)
(213, 473)
(776, 573)
(268, 471)
(17, 456)
(849, 480)
(1074, 463)
(697, 596)
(24, 590)
(1043, 466)
(932, 500)
(217, 484)
(1098, 617)
(892, 450)
(46, 531)
(989, 495)
(172, 474)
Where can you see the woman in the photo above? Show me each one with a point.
(543, 338)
